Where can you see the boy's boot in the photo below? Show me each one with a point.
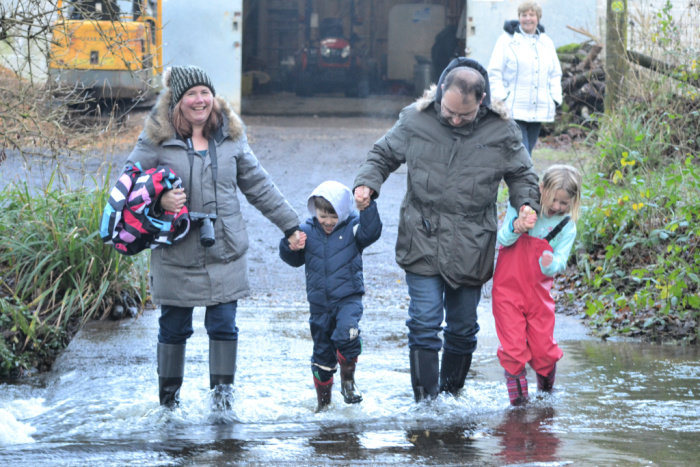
(424, 373)
(323, 393)
(517, 388)
(454, 371)
(546, 383)
(222, 369)
(171, 370)
(348, 388)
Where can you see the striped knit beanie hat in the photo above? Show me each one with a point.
(181, 78)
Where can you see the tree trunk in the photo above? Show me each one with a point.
(615, 57)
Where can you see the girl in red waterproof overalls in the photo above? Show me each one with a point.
(533, 250)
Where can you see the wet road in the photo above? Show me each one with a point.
(617, 403)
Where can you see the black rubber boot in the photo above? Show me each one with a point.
(222, 370)
(351, 393)
(546, 383)
(171, 370)
(323, 393)
(454, 371)
(424, 373)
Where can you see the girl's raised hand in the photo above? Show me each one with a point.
(547, 258)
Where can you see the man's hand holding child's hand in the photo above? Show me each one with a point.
(363, 196)
(525, 221)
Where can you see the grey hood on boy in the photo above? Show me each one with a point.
(338, 195)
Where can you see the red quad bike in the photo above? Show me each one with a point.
(330, 64)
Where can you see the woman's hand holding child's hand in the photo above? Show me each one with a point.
(297, 241)
(526, 220)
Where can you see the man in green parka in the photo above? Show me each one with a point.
(457, 146)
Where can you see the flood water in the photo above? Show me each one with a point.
(617, 403)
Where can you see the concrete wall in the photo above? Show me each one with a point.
(207, 34)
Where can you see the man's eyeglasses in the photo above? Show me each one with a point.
(447, 113)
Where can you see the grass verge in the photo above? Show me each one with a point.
(56, 274)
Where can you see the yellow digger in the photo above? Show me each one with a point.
(107, 51)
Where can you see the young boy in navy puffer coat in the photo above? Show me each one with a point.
(336, 235)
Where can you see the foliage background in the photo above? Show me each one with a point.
(636, 259)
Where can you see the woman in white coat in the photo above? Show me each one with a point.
(524, 71)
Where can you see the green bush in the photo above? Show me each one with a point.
(637, 257)
(55, 272)
(637, 248)
(634, 135)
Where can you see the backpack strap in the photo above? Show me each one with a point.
(555, 231)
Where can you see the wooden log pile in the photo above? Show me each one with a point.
(583, 82)
(583, 78)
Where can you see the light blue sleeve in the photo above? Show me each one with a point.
(561, 245)
(506, 236)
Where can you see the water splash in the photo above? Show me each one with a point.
(13, 431)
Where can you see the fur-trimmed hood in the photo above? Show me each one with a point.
(497, 105)
(433, 95)
(159, 128)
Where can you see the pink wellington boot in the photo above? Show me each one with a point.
(517, 388)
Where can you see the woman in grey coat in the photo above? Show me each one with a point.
(203, 141)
